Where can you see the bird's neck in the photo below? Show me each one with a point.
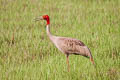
(48, 32)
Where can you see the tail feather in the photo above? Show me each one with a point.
(91, 59)
(90, 55)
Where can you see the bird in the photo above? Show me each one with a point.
(67, 45)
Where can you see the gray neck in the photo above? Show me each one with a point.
(49, 33)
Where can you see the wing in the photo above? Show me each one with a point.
(71, 46)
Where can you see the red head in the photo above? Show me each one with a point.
(44, 17)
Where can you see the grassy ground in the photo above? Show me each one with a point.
(26, 53)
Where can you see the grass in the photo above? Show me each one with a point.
(26, 53)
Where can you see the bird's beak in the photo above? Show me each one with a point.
(38, 18)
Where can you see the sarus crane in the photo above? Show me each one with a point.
(67, 45)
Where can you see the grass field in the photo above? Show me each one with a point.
(26, 53)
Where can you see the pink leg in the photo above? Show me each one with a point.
(68, 61)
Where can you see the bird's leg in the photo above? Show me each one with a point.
(68, 61)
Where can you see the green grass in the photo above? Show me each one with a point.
(32, 56)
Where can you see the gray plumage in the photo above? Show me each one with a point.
(67, 45)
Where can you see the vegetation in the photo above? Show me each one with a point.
(26, 53)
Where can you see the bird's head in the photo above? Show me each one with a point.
(44, 17)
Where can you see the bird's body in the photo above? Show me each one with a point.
(68, 45)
